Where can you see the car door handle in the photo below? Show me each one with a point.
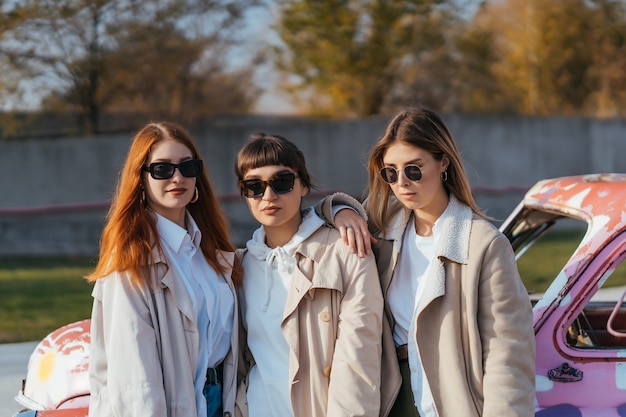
(565, 373)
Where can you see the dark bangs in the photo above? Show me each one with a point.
(263, 150)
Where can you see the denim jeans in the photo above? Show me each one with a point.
(213, 395)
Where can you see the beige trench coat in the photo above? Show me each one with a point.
(332, 322)
(474, 322)
(144, 347)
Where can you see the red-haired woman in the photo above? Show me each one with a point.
(162, 323)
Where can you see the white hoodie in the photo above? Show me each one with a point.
(266, 283)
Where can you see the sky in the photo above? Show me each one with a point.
(272, 101)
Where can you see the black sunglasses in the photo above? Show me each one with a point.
(412, 172)
(165, 170)
(280, 184)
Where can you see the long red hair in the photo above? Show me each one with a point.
(130, 234)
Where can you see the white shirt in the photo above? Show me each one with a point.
(405, 291)
(210, 294)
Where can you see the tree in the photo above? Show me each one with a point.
(477, 89)
(9, 80)
(608, 45)
(428, 72)
(96, 54)
(545, 57)
(351, 57)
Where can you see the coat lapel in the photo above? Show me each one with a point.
(453, 245)
(310, 273)
(300, 286)
(172, 281)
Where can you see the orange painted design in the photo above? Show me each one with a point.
(46, 366)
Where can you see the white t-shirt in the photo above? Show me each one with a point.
(405, 291)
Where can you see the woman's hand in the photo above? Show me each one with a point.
(354, 232)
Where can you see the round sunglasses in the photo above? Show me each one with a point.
(165, 170)
(411, 171)
(280, 184)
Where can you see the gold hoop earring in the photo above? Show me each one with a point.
(444, 176)
(196, 195)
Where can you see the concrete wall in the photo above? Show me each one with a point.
(54, 193)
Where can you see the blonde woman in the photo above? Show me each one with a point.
(460, 315)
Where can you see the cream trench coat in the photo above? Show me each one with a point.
(153, 338)
(474, 321)
(332, 322)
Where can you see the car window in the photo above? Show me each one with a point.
(602, 322)
(543, 243)
(541, 259)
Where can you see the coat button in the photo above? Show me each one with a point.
(325, 316)
(326, 371)
(227, 414)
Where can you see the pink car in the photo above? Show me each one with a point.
(580, 326)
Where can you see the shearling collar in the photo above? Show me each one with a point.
(456, 224)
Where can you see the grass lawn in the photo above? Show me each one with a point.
(41, 294)
(542, 262)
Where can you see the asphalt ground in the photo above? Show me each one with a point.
(13, 363)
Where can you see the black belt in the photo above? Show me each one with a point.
(403, 352)
(213, 376)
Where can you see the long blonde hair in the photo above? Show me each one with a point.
(130, 234)
(421, 127)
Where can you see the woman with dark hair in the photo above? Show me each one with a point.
(312, 312)
(162, 339)
(460, 316)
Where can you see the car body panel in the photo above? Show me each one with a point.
(57, 379)
(594, 383)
